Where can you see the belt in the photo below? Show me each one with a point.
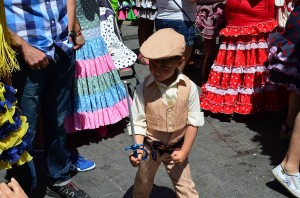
(163, 148)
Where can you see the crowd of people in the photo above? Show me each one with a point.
(66, 62)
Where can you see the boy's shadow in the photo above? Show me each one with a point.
(157, 192)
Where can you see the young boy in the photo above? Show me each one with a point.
(166, 114)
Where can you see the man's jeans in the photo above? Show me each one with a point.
(48, 90)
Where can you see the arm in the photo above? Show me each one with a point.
(189, 138)
(34, 58)
(74, 28)
(139, 120)
(71, 12)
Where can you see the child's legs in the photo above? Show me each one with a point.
(187, 54)
(145, 30)
(180, 175)
(294, 107)
(144, 178)
(291, 161)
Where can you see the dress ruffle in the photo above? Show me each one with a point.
(97, 118)
(211, 19)
(91, 49)
(127, 10)
(283, 63)
(236, 81)
(260, 28)
(147, 9)
(15, 138)
(99, 93)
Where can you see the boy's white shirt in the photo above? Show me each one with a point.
(169, 95)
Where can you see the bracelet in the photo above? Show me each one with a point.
(79, 33)
(72, 34)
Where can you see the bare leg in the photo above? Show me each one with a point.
(120, 23)
(187, 54)
(294, 108)
(145, 30)
(292, 158)
(209, 53)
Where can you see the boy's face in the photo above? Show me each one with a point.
(163, 69)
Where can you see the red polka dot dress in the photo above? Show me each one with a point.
(236, 81)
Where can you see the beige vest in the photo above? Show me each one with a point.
(163, 118)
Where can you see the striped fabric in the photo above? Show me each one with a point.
(42, 23)
(180, 175)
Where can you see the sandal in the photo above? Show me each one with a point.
(285, 132)
(143, 60)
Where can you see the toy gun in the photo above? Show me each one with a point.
(134, 147)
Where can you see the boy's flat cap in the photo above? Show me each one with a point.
(162, 44)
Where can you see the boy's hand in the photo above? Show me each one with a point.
(136, 161)
(179, 156)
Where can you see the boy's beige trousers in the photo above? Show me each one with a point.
(180, 175)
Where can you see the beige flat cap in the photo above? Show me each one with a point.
(162, 44)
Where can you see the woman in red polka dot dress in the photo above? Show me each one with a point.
(236, 81)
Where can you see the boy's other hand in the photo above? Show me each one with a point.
(179, 156)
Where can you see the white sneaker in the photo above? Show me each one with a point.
(290, 182)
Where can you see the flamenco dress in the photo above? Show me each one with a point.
(236, 82)
(210, 17)
(15, 138)
(127, 10)
(121, 55)
(147, 9)
(99, 96)
(284, 61)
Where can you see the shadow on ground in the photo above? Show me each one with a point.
(276, 186)
(157, 192)
(267, 126)
(87, 137)
(76, 140)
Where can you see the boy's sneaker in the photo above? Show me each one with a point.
(67, 191)
(80, 164)
(290, 182)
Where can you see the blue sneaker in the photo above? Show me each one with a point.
(80, 164)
